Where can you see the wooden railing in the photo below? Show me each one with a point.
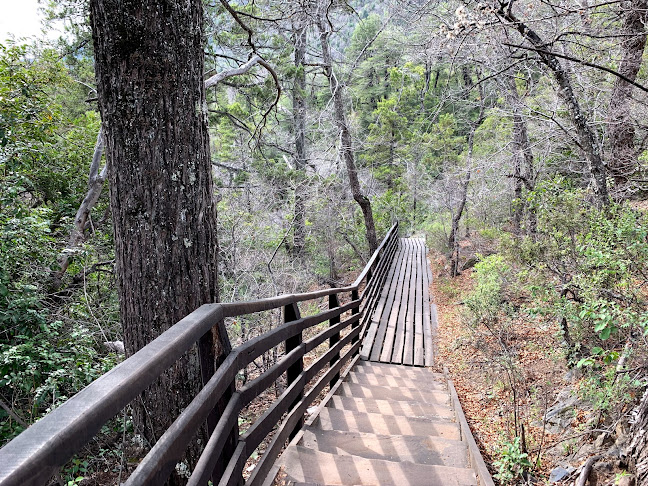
(35, 455)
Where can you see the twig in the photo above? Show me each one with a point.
(123, 449)
(580, 61)
(549, 446)
(13, 414)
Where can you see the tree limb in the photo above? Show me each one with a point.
(580, 61)
(243, 25)
(13, 415)
(587, 469)
(95, 185)
(218, 77)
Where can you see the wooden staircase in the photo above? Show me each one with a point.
(384, 424)
(390, 421)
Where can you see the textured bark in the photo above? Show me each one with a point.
(638, 452)
(584, 132)
(622, 158)
(299, 127)
(149, 68)
(345, 139)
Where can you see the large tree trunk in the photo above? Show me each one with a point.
(639, 445)
(345, 138)
(622, 158)
(586, 137)
(299, 126)
(149, 68)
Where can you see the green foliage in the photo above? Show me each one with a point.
(512, 462)
(45, 356)
(599, 257)
(485, 303)
(608, 392)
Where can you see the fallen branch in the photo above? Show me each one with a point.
(587, 469)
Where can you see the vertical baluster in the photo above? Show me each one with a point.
(356, 310)
(291, 313)
(213, 348)
(333, 303)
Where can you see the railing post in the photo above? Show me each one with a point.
(335, 338)
(370, 271)
(213, 348)
(356, 310)
(291, 313)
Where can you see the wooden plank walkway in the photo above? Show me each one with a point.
(400, 329)
(384, 425)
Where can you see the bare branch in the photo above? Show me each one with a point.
(218, 77)
(580, 61)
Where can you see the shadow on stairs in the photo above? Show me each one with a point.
(388, 425)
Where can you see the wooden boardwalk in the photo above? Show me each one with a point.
(402, 323)
(384, 425)
(384, 422)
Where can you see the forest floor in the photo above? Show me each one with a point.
(509, 380)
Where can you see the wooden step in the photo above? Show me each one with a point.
(410, 372)
(374, 423)
(387, 393)
(410, 448)
(371, 379)
(304, 465)
(391, 407)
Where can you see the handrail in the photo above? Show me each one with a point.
(36, 454)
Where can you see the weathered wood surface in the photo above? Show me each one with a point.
(408, 437)
(400, 326)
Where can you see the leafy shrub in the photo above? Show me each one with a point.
(485, 302)
(512, 462)
(596, 261)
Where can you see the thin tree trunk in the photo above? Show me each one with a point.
(524, 173)
(586, 138)
(453, 239)
(622, 158)
(346, 147)
(96, 180)
(518, 202)
(299, 124)
(149, 68)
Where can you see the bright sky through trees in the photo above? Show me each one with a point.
(19, 18)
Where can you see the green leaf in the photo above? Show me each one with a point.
(585, 362)
(605, 333)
